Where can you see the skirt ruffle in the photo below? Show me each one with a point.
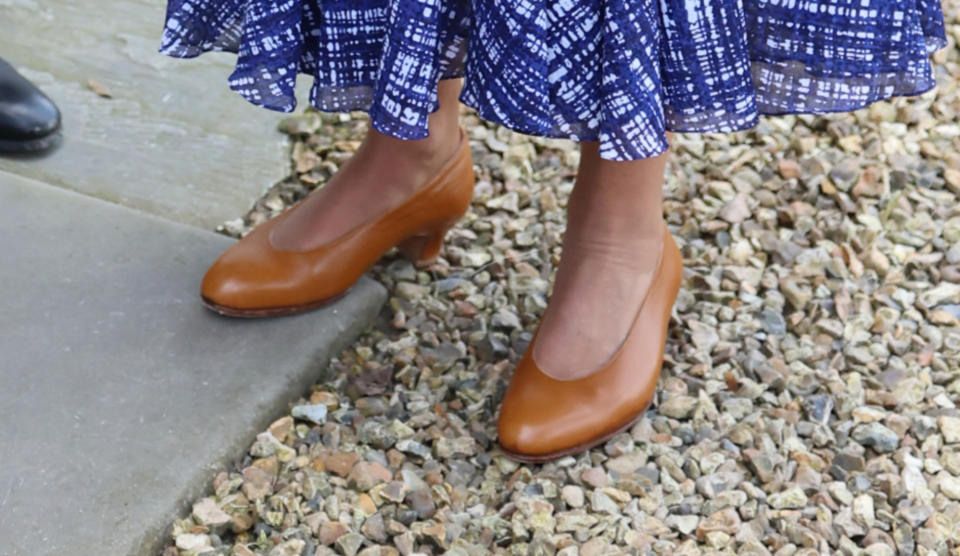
(620, 72)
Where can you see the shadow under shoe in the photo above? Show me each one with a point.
(253, 278)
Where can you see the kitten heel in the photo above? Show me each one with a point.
(423, 249)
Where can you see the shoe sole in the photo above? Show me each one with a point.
(269, 311)
(32, 145)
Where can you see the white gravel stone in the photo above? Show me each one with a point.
(572, 495)
(949, 485)
(315, 413)
(793, 497)
(949, 428)
(863, 510)
(686, 524)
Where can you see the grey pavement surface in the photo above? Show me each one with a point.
(120, 394)
(174, 140)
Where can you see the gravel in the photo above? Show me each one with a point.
(808, 402)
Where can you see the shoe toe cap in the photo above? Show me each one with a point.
(223, 285)
(243, 277)
(527, 428)
(524, 437)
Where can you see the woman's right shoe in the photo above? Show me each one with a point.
(543, 418)
(255, 279)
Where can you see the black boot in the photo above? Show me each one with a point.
(29, 121)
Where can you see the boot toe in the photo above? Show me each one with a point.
(26, 113)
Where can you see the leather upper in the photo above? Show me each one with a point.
(252, 274)
(543, 417)
(25, 112)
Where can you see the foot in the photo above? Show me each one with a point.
(381, 175)
(611, 251)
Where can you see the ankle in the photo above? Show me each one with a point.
(622, 224)
(434, 145)
(405, 164)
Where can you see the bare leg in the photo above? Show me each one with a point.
(382, 174)
(610, 249)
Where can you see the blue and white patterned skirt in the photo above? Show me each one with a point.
(621, 72)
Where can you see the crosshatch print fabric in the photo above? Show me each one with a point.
(621, 72)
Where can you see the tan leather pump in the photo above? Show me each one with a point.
(543, 418)
(253, 278)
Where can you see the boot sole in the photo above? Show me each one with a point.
(31, 145)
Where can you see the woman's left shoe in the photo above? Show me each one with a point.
(253, 278)
(542, 418)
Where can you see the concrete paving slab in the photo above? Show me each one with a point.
(174, 140)
(120, 394)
